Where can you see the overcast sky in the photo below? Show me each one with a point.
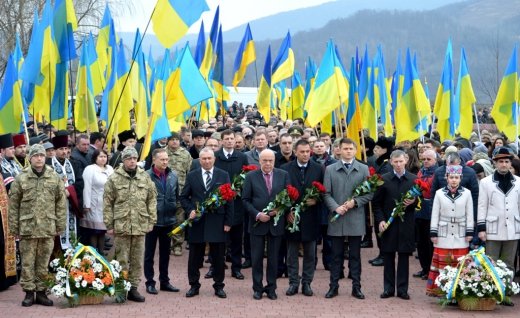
(232, 12)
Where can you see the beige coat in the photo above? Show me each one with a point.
(452, 219)
(499, 213)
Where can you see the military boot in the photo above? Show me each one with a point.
(134, 295)
(41, 298)
(28, 301)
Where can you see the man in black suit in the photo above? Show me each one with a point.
(260, 188)
(211, 227)
(302, 172)
(400, 235)
(232, 161)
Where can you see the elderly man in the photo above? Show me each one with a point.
(210, 227)
(260, 188)
(130, 212)
(36, 215)
(498, 221)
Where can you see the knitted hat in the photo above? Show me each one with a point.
(36, 149)
(129, 152)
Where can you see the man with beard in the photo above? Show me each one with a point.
(20, 150)
(10, 169)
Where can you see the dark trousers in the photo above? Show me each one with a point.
(196, 258)
(336, 266)
(424, 244)
(247, 239)
(326, 252)
(282, 257)
(235, 247)
(402, 272)
(309, 265)
(257, 260)
(159, 233)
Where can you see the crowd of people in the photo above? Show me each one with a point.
(61, 185)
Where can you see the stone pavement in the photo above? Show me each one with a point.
(240, 302)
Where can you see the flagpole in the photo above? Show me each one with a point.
(256, 78)
(50, 100)
(71, 89)
(476, 120)
(129, 71)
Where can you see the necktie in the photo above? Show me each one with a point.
(228, 155)
(347, 165)
(208, 179)
(267, 178)
(302, 174)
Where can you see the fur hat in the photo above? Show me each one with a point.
(125, 135)
(6, 141)
(386, 143)
(61, 141)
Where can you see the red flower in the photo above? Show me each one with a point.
(319, 186)
(293, 193)
(249, 168)
(423, 185)
(371, 171)
(226, 192)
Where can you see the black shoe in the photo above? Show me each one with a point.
(192, 292)
(333, 292)
(151, 290)
(257, 295)
(404, 296)
(292, 290)
(356, 292)
(228, 258)
(386, 294)
(367, 244)
(28, 301)
(41, 298)
(246, 263)
(307, 290)
(376, 258)
(220, 293)
(378, 262)
(134, 295)
(169, 287)
(272, 295)
(419, 274)
(209, 274)
(424, 277)
(238, 275)
(507, 303)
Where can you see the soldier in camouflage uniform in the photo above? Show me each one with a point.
(129, 212)
(180, 162)
(36, 215)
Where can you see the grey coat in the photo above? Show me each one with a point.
(340, 184)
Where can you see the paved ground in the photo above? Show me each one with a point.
(241, 304)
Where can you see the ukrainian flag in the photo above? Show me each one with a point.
(102, 44)
(297, 97)
(246, 55)
(329, 89)
(85, 107)
(382, 94)
(366, 96)
(464, 98)
(263, 100)
(283, 65)
(221, 91)
(505, 109)
(11, 103)
(208, 60)
(353, 118)
(140, 92)
(447, 114)
(201, 46)
(172, 18)
(65, 23)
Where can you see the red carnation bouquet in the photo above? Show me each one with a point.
(315, 191)
(370, 185)
(283, 201)
(417, 190)
(238, 180)
(217, 198)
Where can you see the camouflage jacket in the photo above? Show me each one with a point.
(129, 203)
(37, 204)
(180, 162)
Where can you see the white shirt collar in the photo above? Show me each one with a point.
(226, 153)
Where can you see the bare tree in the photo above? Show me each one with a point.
(489, 81)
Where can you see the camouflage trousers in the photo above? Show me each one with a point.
(130, 255)
(178, 239)
(35, 254)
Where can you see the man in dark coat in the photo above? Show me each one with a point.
(302, 173)
(232, 161)
(211, 227)
(398, 237)
(260, 188)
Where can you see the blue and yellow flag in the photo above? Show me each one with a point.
(140, 92)
(297, 97)
(221, 91)
(211, 45)
(382, 94)
(330, 89)
(505, 109)
(102, 44)
(366, 96)
(65, 24)
(283, 65)
(464, 98)
(85, 106)
(200, 50)
(246, 55)
(445, 110)
(11, 103)
(263, 100)
(353, 118)
(172, 19)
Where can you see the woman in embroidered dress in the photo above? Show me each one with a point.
(95, 176)
(451, 227)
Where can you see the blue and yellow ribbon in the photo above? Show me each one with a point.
(480, 258)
